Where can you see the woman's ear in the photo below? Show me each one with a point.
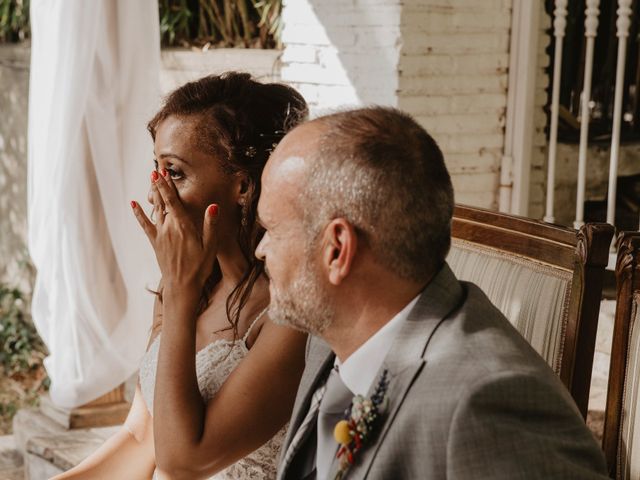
(244, 189)
(339, 249)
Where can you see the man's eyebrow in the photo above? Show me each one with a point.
(173, 155)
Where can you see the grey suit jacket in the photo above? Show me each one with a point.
(468, 399)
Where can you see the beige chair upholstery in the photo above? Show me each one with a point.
(629, 444)
(532, 295)
(621, 437)
(546, 279)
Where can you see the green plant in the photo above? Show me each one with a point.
(22, 375)
(218, 23)
(221, 23)
(14, 20)
(175, 17)
(21, 349)
(270, 12)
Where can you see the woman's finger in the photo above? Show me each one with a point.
(169, 180)
(169, 194)
(148, 227)
(209, 234)
(158, 204)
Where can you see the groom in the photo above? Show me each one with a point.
(411, 374)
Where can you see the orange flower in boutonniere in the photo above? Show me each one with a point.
(361, 420)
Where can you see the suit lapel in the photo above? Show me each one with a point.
(399, 384)
(405, 358)
(319, 360)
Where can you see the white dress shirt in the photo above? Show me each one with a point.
(359, 370)
(357, 373)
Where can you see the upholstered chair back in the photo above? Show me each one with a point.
(532, 295)
(621, 436)
(546, 279)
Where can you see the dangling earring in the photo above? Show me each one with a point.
(243, 212)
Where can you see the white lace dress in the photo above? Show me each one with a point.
(214, 363)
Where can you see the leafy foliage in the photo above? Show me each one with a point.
(21, 348)
(221, 23)
(175, 21)
(14, 20)
(20, 390)
(210, 23)
(22, 375)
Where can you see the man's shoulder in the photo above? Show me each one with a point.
(476, 341)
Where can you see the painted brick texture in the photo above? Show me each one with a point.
(340, 53)
(453, 79)
(538, 179)
(443, 61)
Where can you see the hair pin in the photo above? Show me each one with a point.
(250, 151)
(275, 134)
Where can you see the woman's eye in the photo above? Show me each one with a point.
(174, 174)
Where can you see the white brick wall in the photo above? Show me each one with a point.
(453, 79)
(341, 53)
(439, 43)
(443, 61)
(538, 178)
(181, 66)
(14, 78)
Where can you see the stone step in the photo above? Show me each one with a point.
(29, 423)
(12, 474)
(11, 463)
(49, 448)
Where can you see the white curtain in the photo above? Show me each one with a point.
(94, 85)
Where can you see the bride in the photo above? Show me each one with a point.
(218, 381)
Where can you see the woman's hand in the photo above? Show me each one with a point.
(185, 256)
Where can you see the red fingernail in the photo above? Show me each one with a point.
(164, 172)
(154, 176)
(213, 210)
(133, 204)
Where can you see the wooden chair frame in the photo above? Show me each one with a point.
(627, 294)
(584, 252)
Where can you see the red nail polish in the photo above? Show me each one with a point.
(213, 210)
(154, 176)
(133, 204)
(164, 172)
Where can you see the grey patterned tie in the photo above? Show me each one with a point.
(305, 427)
(335, 401)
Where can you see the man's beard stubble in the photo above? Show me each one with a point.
(305, 305)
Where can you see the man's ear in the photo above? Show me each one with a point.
(339, 249)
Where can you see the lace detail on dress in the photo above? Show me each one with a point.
(214, 363)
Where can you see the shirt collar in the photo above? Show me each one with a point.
(359, 370)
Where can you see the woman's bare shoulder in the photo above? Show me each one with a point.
(271, 332)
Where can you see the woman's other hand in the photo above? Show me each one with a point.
(185, 255)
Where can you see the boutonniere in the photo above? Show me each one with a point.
(361, 420)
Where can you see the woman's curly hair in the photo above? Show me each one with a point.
(239, 121)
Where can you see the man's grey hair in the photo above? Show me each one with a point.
(382, 172)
